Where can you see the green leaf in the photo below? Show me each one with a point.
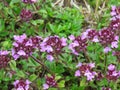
(52, 89)
(2, 74)
(61, 83)
(2, 25)
(32, 77)
(39, 81)
(57, 77)
(6, 44)
(20, 74)
(36, 22)
(13, 65)
(51, 27)
(103, 82)
(83, 82)
(13, 2)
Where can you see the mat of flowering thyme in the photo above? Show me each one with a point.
(59, 44)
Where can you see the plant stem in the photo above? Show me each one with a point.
(34, 7)
(86, 56)
(38, 61)
(97, 5)
(105, 63)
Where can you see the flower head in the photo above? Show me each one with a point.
(25, 15)
(86, 70)
(53, 45)
(22, 84)
(4, 58)
(78, 45)
(112, 73)
(22, 47)
(50, 82)
(29, 1)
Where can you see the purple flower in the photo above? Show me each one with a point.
(29, 1)
(87, 34)
(22, 47)
(78, 45)
(114, 44)
(92, 65)
(22, 84)
(90, 76)
(26, 15)
(4, 58)
(107, 49)
(95, 39)
(36, 41)
(50, 82)
(49, 48)
(4, 52)
(113, 8)
(19, 39)
(21, 53)
(53, 45)
(50, 58)
(113, 13)
(116, 38)
(45, 86)
(64, 41)
(71, 37)
(79, 64)
(86, 70)
(15, 44)
(111, 67)
(115, 20)
(34, 1)
(84, 34)
(77, 73)
(29, 43)
(106, 37)
(106, 88)
(112, 73)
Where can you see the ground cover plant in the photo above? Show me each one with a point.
(59, 45)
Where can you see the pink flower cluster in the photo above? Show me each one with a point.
(112, 73)
(91, 35)
(29, 1)
(23, 46)
(4, 58)
(115, 20)
(21, 84)
(106, 88)
(78, 44)
(86, 70)
(26, 15)
(50, 82)
(108, 39)
(53, 46)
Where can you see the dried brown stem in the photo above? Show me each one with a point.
(38, 61)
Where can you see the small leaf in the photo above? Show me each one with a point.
(33, 77)
(57, 77)
(83, 82)
(61, 83)
(13, 65)
(2, 25)
(20, 74)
